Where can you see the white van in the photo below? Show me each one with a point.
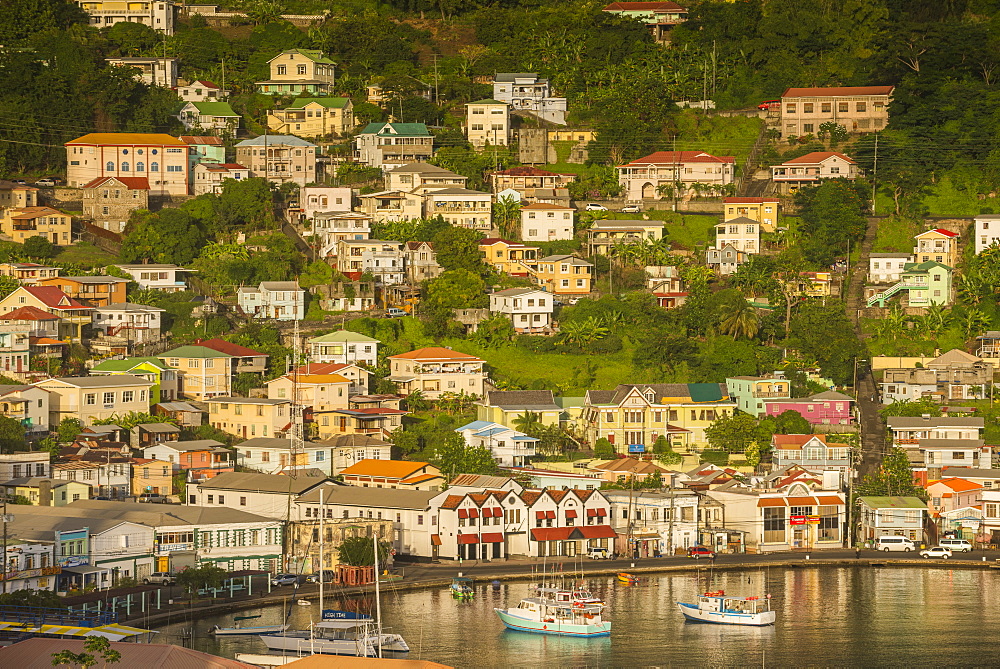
(957, 545)
(895, 544)
(599, 553)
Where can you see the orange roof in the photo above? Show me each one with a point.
(421, 478)
(393, 469)
(34, 212)
(319, 378)
(796, 439)
(816, 157)
(837, 90)
(771, 501)
(452, 502)
(435, 353)
(960, 485)
(128, 139)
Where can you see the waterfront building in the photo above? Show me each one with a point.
(650, 523)
(265, 495)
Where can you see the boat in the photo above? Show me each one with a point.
(716, 607)
(629, 579)
(304, 602)
(576, 596)
(338, 637)
(541, 615)
(240, 628)
(461, 588)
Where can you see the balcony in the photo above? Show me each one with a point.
(765, 393)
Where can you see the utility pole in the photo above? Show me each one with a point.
(874, 173)
(6, 519)
(670, 523)
(435, 57)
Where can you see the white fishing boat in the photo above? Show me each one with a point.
(578, 595)
(338, 637)
(716, 607)
(542, 615)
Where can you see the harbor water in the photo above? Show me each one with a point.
(845, 617)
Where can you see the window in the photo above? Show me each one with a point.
(110, 167)
(128, 395)
(125, 167)
(109, 398)
(843, 107)
(140, 167)
(243, 501)
(90, 399)
(282, 69)
(154, 167)
(807, 108)
(774, 524)
(807, 127)
(301, 69)
(862, 107)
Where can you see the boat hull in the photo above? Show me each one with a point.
(555, 628)
(261, 629)
(391, 643)
(693, 613)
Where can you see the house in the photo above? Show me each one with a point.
(937, 245)
(564, 274)
(908, 432)
(202, 373)
(858, 109)
(750, 392)
(660, 17)
(274, 455)
(606, 234)
(105, 13)
(46, 491)
(405, 475)
(157, 277)
(109, 476)
(93, 291)
(421, 262)
(278, 300)
(320, 393)
(743, 234)
(29, 405)
(213, 117)
(316, 199)
(15, 347)
(243, 359)
(955, 375)
(137, 323)
(201, 458)
(110, 201)
(763, 210)
(826, 408)
(952, 493)
(811, 451)
(267, 495)
(279, 158)
(532, 184)
(434, 371)
(17, 196)
(558, 522)
(649, 177)
(379, 421)
(41, 327)
(25, 465)
(887, 267)
(72, 314)
(546, 222)
(924, 284)
(151, 476)
(529, 310)
(633, 417)
(391, 144)
(392, 205)
(90, 398)
(666, 285)
(891, 516)
(812, 284)
(986, 231)
(487, 123)
(349, 449)
(418, 178)
(354, 372)
(527, 92)
(725, 260)
(460, 207)
(182, 413)
(811, 169)
(313, 117)
(250, 417)
(509, 447)
(937, 455)
(626, 469)
(203, 149)
(331, 227)
(45, 222)
(212, 177)
(509, 257)
(385, 260)
(657, 522)
(148, 434)
(28, 273)
(162, 376)
(152, 71)
(201, 90)
(504, 406)
(403, 86)
(345, 347)
(160, 158)
(349, 296)
(299, 72)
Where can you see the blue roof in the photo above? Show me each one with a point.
(475, 425)
(275, 140)
(523, 438)
(491, 431)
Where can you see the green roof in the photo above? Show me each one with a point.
(407, 129)
(880, 502)
(705, 392)
(487, 101)
(924, 266)
(329, 103)
(194, 352)
(314, 55)
(215, 108)
(344, 336)
(128, 364)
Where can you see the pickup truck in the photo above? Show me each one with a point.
(160, 578)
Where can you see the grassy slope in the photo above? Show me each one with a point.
(85, 254)
(895, 235)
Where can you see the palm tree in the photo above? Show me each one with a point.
(739, 319)
(936, 320)
(507, 217)
(974, 321)
(527, 421)
(584, 332)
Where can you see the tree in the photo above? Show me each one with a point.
(912, 408)
(360, 551)
(527, 421)
(732, 433)
(8, 285)
(664, 452)
(507, 217)
(832, 214)
(456, 289)
(583, 332)
(11, 435)
(203, 577)
(128, 421)
(894, 477)
(170, 236)
(39, 247)
(603, 449)
(458, 248)
(453, 456)
(823, 333)
(495, 332)
(68, 429)
(792, 422)
(92, 647)
(738, 318)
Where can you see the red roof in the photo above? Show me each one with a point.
(837, 90)
(233, 166)
(796, 439)
(816, 157)
(942, 231)
(528, 171)
(28, 314)
(132, 183)
(960, 485)
(205, 82)
(54, 298)
(435, 353)
(674, 157)
(229, 348)
(749, 200)
(662, 6)
(199, 139)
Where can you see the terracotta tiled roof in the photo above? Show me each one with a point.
(796, 439)
(133, 183)
(557, 495)
(816, 157)
(434, 353)
(672, 157)
(229, 348)
(960, 485)
(128, 139)
(28, 314)
(531, 496)
(452, 501)
(837, 90)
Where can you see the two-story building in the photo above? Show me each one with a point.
(242, 358)
(487, 123)
(29, 405)
(28, 273)
(529, 310)
(504, 406)
(160, 158)
(527, 92)
(250, 417)
(509, 447)
(200, 458)
(532, 184)
(421, 262)
(764, 210)
(391, 144)
(157, 14)
(45, 222)
(133, 323)
(750, 392)
(811, 169)
(826, 408)
(743, 234)
(299, 72)
(212, 177)
(434, 371)
(163, 377)
(329, 228)
(651, 523)
(955, 375)
(385, 260)
(541, 222)
(275, 455)
(891, 516)
(279, 158)
(150, 70)
(922, 284)
(316, 199)
(649, 177)
(604, 235)
(659, 16)
(94, 291)
(201, 90)
(313, 117)
(811, 451)
(563, 274)
(937, 245)
(460, 207)
(90, 398)
(72, 314)
(343, 346)
(951, 494)
(277, 300)
(202, 373)
(986, 231)
(110, 201)
(157, 276)
(400, 474)
(857, 109)
(887, 267)
(209, 117)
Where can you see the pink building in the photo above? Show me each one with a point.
(826, 408)
(952, 493)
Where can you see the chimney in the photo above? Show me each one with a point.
(45, 492)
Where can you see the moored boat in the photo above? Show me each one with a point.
(338, 637)
(239, 627)
(540, 615)
(716, 607)
(630, 579)
(461, 588)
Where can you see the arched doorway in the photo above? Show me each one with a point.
(648, 191)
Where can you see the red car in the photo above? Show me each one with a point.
(769, 104)
(697, 552)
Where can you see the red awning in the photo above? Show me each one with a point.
(492, 538)
(497, 512)
(473, 513)
(551, 533)
(571, 513)
(487, 513)
(539, 515)
(591, 513)
(602, 512)
(468, 538)
(435, 540)
(463, 513)
(550, 514)
(597, 532)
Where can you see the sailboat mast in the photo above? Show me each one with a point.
(378, 600)
(322, 555)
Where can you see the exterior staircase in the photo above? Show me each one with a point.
(892, 290)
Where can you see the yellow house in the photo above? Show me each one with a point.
(249, 417)
(605, 234)
(314, 117)
(298, 71)
(509, 257)
(564, 275)
(505, 406)
(938, 245)
(22, 223)
(764, 210)
(633, 417)
(47, 492)
(812, 284)
(152, 476)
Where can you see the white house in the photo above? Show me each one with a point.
(214, 117)
(264, 495)
(24, 464)
(541, 222)
(658, 522)
(331, 227)
(810, 169)
(139, 323)
(316, 199)
(741, 233)
(201, 90)
(344, 347)
(280, 300)
(211, 177)
(153, 71)
(273, 455)
(987, 231)
(643, 177)
(29, 565)
(487, 123)
(157, 277)
(509, 447)
(529, 310)
(887, 267)
(350, 449)
(527, 92)
(460, 207)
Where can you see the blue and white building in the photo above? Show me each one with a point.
(276, 300)
(509, 447)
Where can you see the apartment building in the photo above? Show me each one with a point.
(527, 92)
(487, 123)
(157, 14)
(529, 310)
(313, 117)
(542, 222)
(764, 210)
(90, 398)
(279, 158)
(858, 109)
(202, 373)
(385, 260)
(250, 417)
(435, 370)
(741, 233)
(160, 158)
(643, 178)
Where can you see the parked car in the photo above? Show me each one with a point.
(394, 312)
(956, 545)
(698, 552)
(593, 206)
(769, 104)
(936, 552)
(160, 578)
(285, 579)
(152, 497)
(329, 576)
(47, 182)
(631, 209)
(599, 553)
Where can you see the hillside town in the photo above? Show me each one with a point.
(278, 280)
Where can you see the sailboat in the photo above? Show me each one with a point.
(239, 628)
